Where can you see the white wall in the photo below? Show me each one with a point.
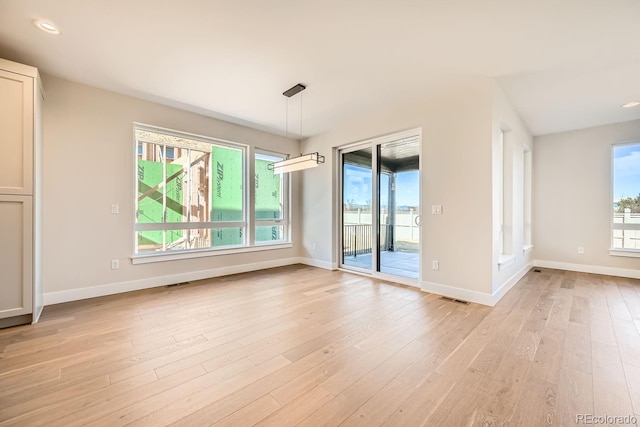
(572, 199)
(456, 122)
(517, 137)
(88, 165)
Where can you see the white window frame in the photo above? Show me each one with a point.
(615, 251)
(501, 248)
(248, 218)
(505, 198)
(527, 163)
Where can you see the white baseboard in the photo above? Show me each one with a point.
(506, 286)
(152, 282)
(458, 293)
(317, 263)
(584, 268)
(475, 296)
(449, 291)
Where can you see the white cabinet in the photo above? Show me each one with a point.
(16, 229)
(20, 194)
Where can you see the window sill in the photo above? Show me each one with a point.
(505, 260)
(178, 255)
(633, 253)
(526, 249)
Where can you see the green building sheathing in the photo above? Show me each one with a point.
(150, 208)
(267, 197)
(227, 200)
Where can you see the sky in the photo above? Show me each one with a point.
(626, 171)
(357, 187)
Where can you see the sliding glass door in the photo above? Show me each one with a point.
(380, 183)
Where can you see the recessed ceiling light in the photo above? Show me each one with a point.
(46, 26)
(631, 104)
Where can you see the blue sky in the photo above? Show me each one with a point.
(407, 193)
(357, 187)
(626, 171)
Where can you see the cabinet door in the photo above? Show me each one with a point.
(16, 133)
(16, 273)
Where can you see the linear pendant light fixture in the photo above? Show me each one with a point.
(304, 161)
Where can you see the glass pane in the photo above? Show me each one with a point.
(161, 183)
(269, 233)
(199, 239)
(149, 241)
(356, 209)
(198, 186)
(228, 194)
(618, 239)
(407, 208)
(174, 240)
(626, 194)
(626, 239)
(269, 189)
(176, 181)
(228, 236)
(150, 178)
(399, 207)
(385, 185)
(161, 240)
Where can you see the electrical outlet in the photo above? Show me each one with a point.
(580, 250)
(115, 264)
(313, 246)
(115, 209)
(435, 265)
(436, 210)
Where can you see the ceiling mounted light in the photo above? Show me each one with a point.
(46, 26)
(304, 161)
(631, 104)
(294, 90)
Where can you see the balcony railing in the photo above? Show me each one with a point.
(356, 239)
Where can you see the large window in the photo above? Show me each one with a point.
(192, 194)
(626, 197)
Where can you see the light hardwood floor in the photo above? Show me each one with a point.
(304, 346)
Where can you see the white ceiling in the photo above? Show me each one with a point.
(565, 64)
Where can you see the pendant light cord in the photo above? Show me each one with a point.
(286, 118)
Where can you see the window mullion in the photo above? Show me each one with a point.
(164, 193)
(188, 188)
(251, 211)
